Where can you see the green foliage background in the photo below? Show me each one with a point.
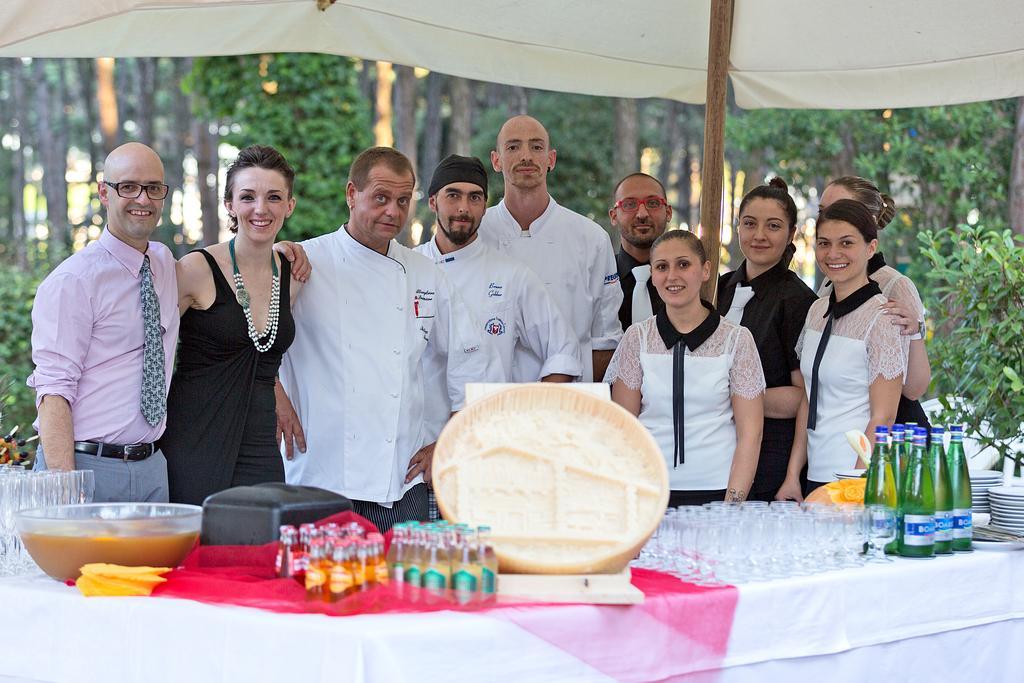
(17, 401)
(316, 118)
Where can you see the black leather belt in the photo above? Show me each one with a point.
(131, 451)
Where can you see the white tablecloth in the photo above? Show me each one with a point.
(956, 618)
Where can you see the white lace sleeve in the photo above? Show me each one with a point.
(904, 291)
(799, 348)
(746, 377)
(625, 362)
(887, 350)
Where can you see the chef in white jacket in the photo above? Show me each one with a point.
(510, 305)
(352, 383)
(570, 253)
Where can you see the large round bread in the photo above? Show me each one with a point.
(569, 483)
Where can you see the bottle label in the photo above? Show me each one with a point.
(433, 580)
(464, 581)
(315, 578)
(487, 581)
(341, 580)
(962, 523)
(943, 526)
(918, 530)
(397, 572)
(412, 575)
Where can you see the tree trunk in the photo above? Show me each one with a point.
(382, 130)
(519, 100)
(406, 96)
(1017, 173)
(432, 131)
(87, 100)
(367, 82)
(207, 163)
(625, 155)
(145, 86)
(179, 138)
(106, 95)
(53, 157)
(672, 142)
(20, 112)
(460, 137)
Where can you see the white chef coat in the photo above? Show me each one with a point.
(365, 325)
(863, 345)
(511, 309)
(573, 257)
(725, 364)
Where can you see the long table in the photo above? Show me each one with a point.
(959, 618)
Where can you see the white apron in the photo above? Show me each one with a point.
(709, 432)
(842, 402)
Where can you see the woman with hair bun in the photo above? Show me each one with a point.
(766, 297)
(693, 379)
(904, 305)
(851, 358)
(235, 299)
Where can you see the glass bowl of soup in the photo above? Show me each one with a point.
(62, 538)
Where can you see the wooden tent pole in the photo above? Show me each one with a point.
(713, 161)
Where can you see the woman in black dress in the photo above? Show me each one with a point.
(770, 300)
(235, 298)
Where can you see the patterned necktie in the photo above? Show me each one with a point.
(154, 393)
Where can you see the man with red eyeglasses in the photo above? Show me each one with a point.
(641, 214)
(570, 253)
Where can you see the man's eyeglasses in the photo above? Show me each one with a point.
(154, 191)
(632, 204)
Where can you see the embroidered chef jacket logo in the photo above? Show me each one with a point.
(495, 326)
(423, 303)
(495, 290)
(609, 279)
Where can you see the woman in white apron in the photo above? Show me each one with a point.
(904, 302)
(771, 301)
(851, 357)
(694, 380)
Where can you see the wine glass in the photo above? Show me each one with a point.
(881, 524)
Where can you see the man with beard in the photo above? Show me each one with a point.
(641, 214)
(509, 303)
(570, 253)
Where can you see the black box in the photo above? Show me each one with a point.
(252, 515)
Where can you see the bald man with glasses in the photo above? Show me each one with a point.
(104, 328)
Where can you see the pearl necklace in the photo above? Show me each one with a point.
(242, 297)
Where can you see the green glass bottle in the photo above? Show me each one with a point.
(960, 483)
(898, 452)
(943, 494)
(880, 488)
(918, 509)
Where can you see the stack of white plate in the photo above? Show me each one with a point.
(981, 482)
(849, 474)
(1007, 504)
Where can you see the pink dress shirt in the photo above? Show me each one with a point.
(87, 337)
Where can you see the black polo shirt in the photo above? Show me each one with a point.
(625, 264)
(775, 316)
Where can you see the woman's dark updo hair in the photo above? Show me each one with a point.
(686, 236)
(853, 212)
(257, 156)
(881, 205)
(778, 190)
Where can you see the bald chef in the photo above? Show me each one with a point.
(509, 303)
(366, 325)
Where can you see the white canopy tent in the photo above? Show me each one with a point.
(782, 53)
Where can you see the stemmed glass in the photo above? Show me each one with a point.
(880, 521)
(11, 487)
